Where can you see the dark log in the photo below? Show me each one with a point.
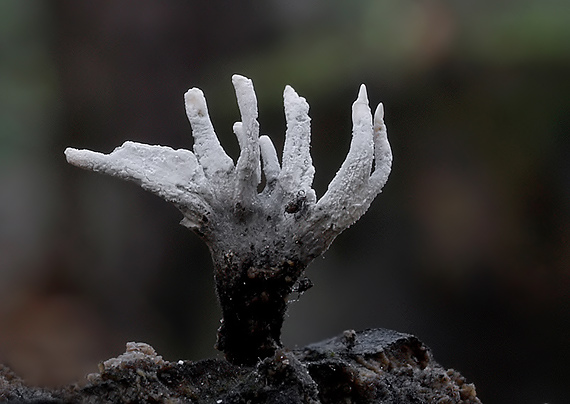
(371, 366)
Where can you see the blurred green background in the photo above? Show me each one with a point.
(467, 247)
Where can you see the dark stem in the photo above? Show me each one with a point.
(254, 301)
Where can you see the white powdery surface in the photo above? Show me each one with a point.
(136, 352)
(220, 199)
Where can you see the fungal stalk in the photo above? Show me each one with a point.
(261, 242)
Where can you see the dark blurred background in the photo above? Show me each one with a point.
(467, 247)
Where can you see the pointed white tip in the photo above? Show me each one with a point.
(360, 109)
(362, 95)
(271, 166)
(292, 101)
(290, 94)
(289, 91)
(379, 114)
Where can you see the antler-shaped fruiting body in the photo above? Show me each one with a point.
(261, 242)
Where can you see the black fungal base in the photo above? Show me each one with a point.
(372, 366)
(254, 301)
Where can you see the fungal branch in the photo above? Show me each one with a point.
(261, 242)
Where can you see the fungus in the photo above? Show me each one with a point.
(260, 242)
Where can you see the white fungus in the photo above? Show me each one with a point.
(206, 185)
(261, 242)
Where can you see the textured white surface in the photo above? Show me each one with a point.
(135, 351)
(221, 201)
